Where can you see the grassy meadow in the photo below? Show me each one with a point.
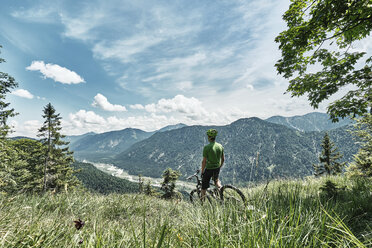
(293, 213)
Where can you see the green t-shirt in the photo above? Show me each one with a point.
(213, 153)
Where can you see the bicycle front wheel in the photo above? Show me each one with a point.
(232, 195)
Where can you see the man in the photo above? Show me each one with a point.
(213, 159)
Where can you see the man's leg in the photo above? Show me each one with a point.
(203, 192)
(216, 179)
(218, 183)
(206, 177)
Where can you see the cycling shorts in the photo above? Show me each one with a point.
(207, 175)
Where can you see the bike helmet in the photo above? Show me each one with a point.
(212, 133)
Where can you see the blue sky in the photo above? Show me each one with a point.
(112, 64)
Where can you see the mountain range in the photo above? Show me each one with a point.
(255, 149)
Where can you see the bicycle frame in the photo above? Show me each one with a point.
(213, 192)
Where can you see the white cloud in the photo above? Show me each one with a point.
(184, 85)
(27, 128)
(56, 72)
(81, 27)
(190, 108)
(179, 104)
(41, 14)
(86, 119)
(156, 77)
(23, 93)
(183, 62)
(137, 106)
(124, 50)
(102, 102)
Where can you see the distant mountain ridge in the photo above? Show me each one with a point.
(309, 122)
(172, 127)
(105, 145)
(74, 138)
(100, 147)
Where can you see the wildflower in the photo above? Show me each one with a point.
(79, 224)
(179, 237)
(80, 241)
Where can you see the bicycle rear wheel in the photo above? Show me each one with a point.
(195, 197)
(232, 195)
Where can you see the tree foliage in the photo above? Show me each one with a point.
(58, 174)
(149, 190)
(169, 183)
(329, 159)
(7, 83)
(362, 164)
(317, 54)
(12, 168)
(32, 153)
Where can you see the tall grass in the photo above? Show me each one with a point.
(280, 214)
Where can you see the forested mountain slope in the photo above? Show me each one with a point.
(99, 181)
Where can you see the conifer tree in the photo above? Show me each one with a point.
(7, 83)
(328, 160)
(58, 174)
(169, 183)
(149, 190)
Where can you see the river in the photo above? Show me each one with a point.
(156, 182)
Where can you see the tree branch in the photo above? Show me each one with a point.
(347, 28)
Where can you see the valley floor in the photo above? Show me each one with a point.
(280, 214)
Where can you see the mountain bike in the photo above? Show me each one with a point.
(227, 193)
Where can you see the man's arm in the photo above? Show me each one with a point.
(204, 162)
(222, 159)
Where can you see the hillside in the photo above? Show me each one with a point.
(283, 152)
(283, 214)
(101, 182)
(309, 122)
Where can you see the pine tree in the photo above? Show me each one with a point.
(140, 183)
(149, 190)
(58, 174)
(7, 83)
(169, 183)
(328, 160)
(362, 164)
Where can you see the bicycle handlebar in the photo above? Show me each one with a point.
(195, 175)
